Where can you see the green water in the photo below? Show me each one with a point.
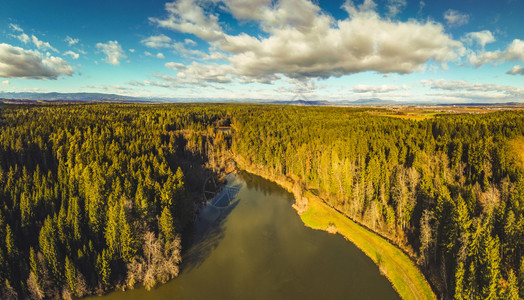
(258, 248)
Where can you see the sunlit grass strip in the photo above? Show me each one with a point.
(407, 280)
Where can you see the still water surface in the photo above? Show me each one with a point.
(252, 245)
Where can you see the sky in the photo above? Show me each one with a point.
(414, 51)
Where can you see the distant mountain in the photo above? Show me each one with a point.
(302, 102)
(371, 101)
(25, 97)
(68, 96)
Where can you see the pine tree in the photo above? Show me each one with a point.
(12, 250)
(70, 275)
(491, 270)
(512, 290)
(166, 225)
(460, 288)
(521, 277)
(128, 238)
(112, 232)
(48, 242)
(103, 263)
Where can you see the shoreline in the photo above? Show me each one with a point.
(403, 274)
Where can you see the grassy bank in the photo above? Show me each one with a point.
(406, 278)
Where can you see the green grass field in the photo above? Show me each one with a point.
(405, 277)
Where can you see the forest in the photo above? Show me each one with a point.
(95, 197)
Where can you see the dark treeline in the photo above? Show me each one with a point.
(94, 197)
(448, 190)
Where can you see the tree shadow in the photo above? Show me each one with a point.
(209, 229)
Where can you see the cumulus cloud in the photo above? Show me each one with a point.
(190, 42)
(465, 91)
(71, 41)
(158, 55)
(157, 41)
(461, 85)
(5, 82)
(15, 27)
(455, 18)
(186, 16)
(516, 70)
(395, 7)
(163, 41)
(385, 88)
(16, 62)
(74, 55)
(297, 32)
(301, 89)
(41, 45)
(515, 51)
(197, 73)
(24, 38)
(113, 52)
(21, 36)
(480, 37)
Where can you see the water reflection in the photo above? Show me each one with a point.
(256, 247)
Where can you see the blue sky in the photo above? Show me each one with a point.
(445, 51)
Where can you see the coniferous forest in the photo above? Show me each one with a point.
(97, 197)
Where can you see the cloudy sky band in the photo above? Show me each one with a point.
(263, 49)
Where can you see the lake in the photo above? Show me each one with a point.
(250, 244)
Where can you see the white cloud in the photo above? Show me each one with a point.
(395, 7)
(461, 85)
(186, 16)
(197, 73)
(455, 18)
(385, 88)
(74, 55)
(297, 32)
(16, 62)
(113, 52)
(465, 91)
(163, 41)
(41, 45)
(71, 41)
(190, 42)
(24, 38)
(158, 55)
(132, 50)
(5, 82)
(480, 37)
(157, 41)
(15, 27)
(516, 70)
(514, 52)
(421, 6)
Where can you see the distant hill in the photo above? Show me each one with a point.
(68, 96)
(372, 101)
(27, 97)
(302, 102)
